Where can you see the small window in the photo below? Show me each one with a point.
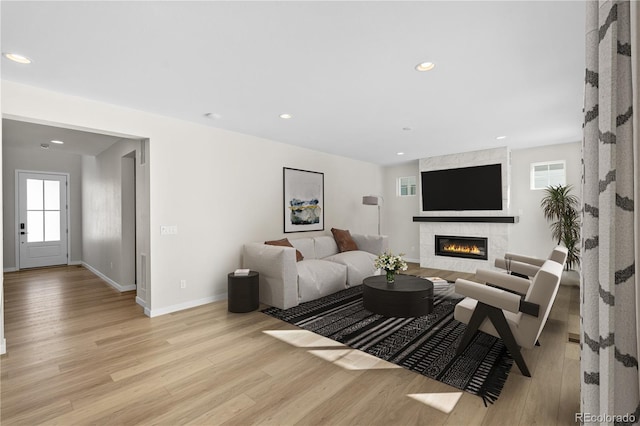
(549, 173)
(406, 186)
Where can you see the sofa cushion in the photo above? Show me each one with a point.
(325, 246)
(359, 265)
(317, 278)
(285, 243)
(306, 246)
(344, 240)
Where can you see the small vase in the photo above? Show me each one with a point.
(391, 276)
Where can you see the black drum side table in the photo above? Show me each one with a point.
(243, 292)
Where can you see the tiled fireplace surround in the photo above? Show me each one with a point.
(497, 233)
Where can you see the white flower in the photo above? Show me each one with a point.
(391, 262)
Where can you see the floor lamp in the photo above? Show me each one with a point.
(373, 200)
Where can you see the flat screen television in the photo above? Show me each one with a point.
(465, 188)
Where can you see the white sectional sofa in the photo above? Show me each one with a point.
(285, 283)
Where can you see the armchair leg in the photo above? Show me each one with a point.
(496, 316)
(500, 323)
(479, 314)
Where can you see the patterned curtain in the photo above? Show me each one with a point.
(609, 308)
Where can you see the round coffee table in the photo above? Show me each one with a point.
(407, 297)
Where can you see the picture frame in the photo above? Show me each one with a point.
(303, 200)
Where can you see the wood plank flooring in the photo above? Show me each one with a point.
(79, 352)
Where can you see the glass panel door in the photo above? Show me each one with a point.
(43, 210)
(42, 234)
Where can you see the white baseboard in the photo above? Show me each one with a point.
(182, 306)
(3, 346)
(121, 288)
(142, 303)
(128, 287)
(412, 260)
(15, 268)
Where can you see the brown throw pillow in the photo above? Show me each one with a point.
(285, 243)
(344, 240)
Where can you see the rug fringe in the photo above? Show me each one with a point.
(492, 387)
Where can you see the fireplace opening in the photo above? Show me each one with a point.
(465, 247)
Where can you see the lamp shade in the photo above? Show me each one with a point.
(371, 200)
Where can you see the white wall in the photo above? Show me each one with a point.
(532, 234)
(398, 212)
(128, 216)
(225, 190)
(3, 342)
(46, 161)
(104, 227)
(220, 188)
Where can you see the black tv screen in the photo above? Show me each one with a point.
(465, 188)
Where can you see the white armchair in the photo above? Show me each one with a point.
(514, 309)
(528, 265)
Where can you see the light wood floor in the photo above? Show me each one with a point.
(81, 353)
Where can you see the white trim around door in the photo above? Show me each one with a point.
(41, 219)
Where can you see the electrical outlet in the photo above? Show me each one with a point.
(183, 283)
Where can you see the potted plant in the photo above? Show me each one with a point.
(561, 207)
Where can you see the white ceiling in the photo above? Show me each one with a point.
(25, 135)
(345, 70)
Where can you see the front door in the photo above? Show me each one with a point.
(42, 219)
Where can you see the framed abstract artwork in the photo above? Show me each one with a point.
(303, 200)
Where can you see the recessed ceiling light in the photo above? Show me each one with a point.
(399, 153)
(501, 137)
(425, 66)
(58, 142)
(286, 116)
(407, 128)
(17, 58)
(44, 145)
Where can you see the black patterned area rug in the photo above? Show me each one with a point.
(426, 345)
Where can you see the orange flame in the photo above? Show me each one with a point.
(456, 248)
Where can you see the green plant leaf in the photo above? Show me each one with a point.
(561, 208)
